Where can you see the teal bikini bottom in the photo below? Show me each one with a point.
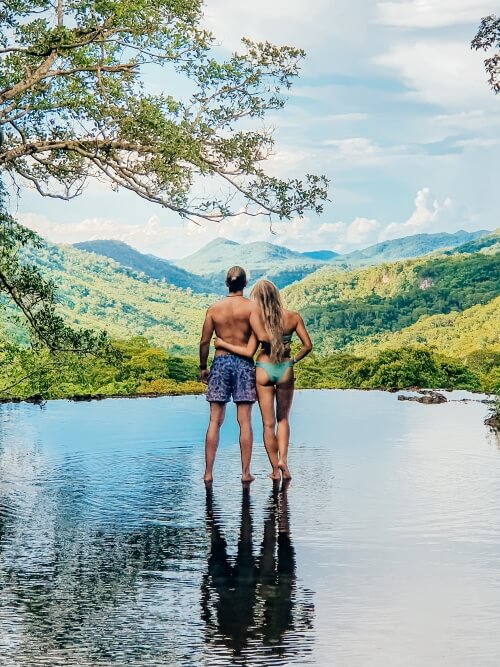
(274, 371)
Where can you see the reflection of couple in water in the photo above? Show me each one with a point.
(252, 602)
(241, 326)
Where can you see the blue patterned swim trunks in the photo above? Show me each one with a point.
(231, 375)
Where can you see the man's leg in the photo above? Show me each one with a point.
(217, 413)
(244, 415)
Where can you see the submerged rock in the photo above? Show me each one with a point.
(428, 398)
(37, 399)
(493, 422)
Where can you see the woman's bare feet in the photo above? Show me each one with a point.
(207, 478)
(247, 478)
(275, 475)
(284, 470)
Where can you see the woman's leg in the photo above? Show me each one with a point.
(284, 398)
(266, 395)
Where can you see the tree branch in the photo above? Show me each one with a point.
(31, 80)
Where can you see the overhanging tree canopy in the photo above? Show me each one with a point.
(74, 106)
(488, 37)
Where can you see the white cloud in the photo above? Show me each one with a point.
(447, 74)
(428, 213)
(290, 22)
(476, 119)
(342, 117)
(479, 142)
(434, 13)
(361, 231)
(361, 150)
(150, 237)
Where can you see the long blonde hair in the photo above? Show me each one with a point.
(267, 295)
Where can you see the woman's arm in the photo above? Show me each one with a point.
(247, 350)
(301, 331)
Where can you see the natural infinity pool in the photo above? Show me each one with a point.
(383, 552)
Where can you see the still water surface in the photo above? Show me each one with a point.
(383, 552)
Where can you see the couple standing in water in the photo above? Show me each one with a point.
(241, 327)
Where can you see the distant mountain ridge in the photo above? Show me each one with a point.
(407, 247)
(204, 271)
(256, 254)
(260, 259)
(150, 265)
(283, 266)
(488, 244)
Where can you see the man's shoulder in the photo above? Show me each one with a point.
(229, 301)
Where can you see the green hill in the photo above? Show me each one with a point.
(99, 293)
(220, 254)
(341, 308)
(407, 247)
(489, 244)
(345, 307)
(260, 260)
(457, 334)
(284, 266)
(150, 265)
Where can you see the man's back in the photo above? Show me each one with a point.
(231, 319)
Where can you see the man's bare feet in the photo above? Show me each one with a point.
(284, 469)
(247, 478)
(207, 478)
(275, 475)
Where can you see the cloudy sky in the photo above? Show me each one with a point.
(392, 105)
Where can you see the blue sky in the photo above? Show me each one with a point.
(392, 105)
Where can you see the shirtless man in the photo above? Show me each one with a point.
(229, 374)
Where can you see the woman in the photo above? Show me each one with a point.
(274, 327)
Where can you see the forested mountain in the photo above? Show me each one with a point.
(407, 247)
(99, 293)
(151, 266)
(489, 244)
(284, 266)
(457, 334)
(344, 307)
(260, 260)
(220, 254)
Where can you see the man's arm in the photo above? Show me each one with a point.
(206, 336)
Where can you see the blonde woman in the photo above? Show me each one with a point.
(273, 328)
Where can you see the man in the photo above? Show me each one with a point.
(230, 375)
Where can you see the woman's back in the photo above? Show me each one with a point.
(289, 320)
